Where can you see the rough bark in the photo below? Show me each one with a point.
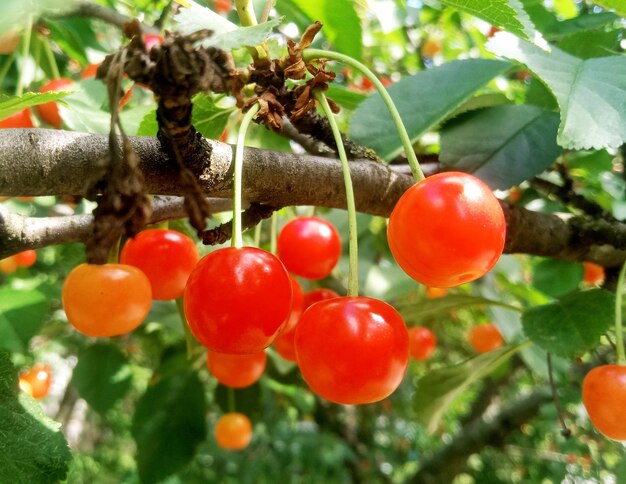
(51, 162)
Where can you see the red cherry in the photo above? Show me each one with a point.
(485, 337)
(233, 431)
(21, 119)
(422, 342)
(604, 397)
(285, 342)
(435, 292)
(352, 350)
(167, 257)
(317, 295)
(297, 306)
(36, 381)
(594, 273)
(26, 258)
(49, 112)
(223, 6)
(152, 40)
(447, 230)
(89, 71)
(107, 299)
(236, 371)
(236, 300)
(309, 247)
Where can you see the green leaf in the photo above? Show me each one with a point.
(9, 106)
(169, 422)
(84, 111)
(342, 25)
(32, 448)
(591, 43)
(196, 17)
(208, 118)
(22, 314)
(15, 13)
(618, 5)
(345, 97)
(437, 390)
(102, 376)
(572, 325)
(149, 125)
(243, 36)
(590, 92)
(503, 146)
(75, 36)
(420, 102)
(507, 15)
(557, 277)
(431, 308)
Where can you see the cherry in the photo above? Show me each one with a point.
(422, 342)
(167, 257)
(21, 119)
(435, 292)
(26, 258)
(36, 381)
(236, 300)
(352, 350)
(89, 71)
(447, 229)
(285, 343)
(604, 397)
(49, 112)
(594, 274)
(309, 247)
(485, 337)
(431, 47)
(236, 371)
(8, 265)
(233, 431)
(106, 300)
(223, 6)
(152, 40)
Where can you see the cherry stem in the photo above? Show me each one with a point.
(247, 18)
(6, 67)
(19, 89)
(565, 431)
(50, 58)
(257, 234)
(619, 337)
(273, 232)
(353, 277)
(189, 338)
(313, 54)
(114, 253)
(237, 240)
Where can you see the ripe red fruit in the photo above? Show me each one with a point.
(223, 6)
(89, 71)
(422, 342)
(594, 274)
(309, 247)
(604, 397)
(236, 371)
(233, 431)
(352, 350)
(485, 337)
(447, 230)
(49, 112)
(21, 119)
(435, 292)
(236, 300)
(167, 257)
(8, 265)
(152, 40)
(317, 295)
(431, 47)
(36, 381)
(26, 258)
(106, 300)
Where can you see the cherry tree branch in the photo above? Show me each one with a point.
(52, 162)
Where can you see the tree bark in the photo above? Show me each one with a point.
(52, 162)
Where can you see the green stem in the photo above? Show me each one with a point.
(247, 18)
(5, 68)
(273, 232)
(312, 54)
(19, 89)
(237, 240)
(621, 358)
(353, 277)
(257, 234)
(114, 253)
(189, 338)
(51, 60)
